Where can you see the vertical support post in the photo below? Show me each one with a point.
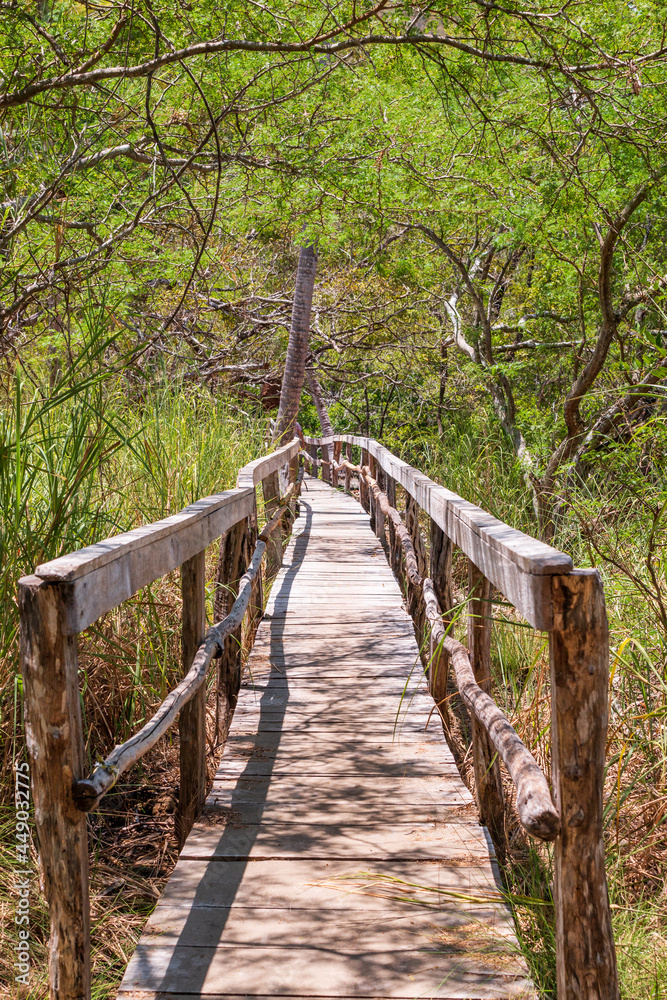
(441, 574)
(372, 503)
(579, 655)
(380, 477)
(231, 567)
(256, 603)
(290, 474)
(337, 448)
(326, 468)
(412, 524)
(363, 487)
(348, 474)
(55, 749)
(390, 490)
(274, 550)
(488, 780)
(192, 717)
(417, 607)
(312, 448)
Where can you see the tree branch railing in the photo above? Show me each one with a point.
(554, 597)
(65, 596)
(88, 792)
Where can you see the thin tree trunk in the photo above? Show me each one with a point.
(297, 347)
(321, 407)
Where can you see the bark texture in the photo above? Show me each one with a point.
(318, 399)
(579, 648)
(297, 347)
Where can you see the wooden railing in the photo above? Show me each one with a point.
(554, 597)
(63, 598)
(67, 595)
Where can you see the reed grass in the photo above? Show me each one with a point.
(95, 451)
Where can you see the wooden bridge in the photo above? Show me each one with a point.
(338, 853)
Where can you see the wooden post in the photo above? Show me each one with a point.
(380, 477)
(372, 505)
(326, 466)
(412, 524)
(363, 488)
(579, 654)
(348, 474)
(394, 544)
(55, 750)
(312, 448)
(192, 717)
(274, 550)
(441, 574)
(256, 605)
(416, 604)
(337, 448)
(488, 780)
(231, 567)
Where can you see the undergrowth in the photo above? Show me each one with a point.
(84, 456)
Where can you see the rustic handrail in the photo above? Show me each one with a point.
(99, 577)
(537, 813)
(517, 564)
(88, 792)
(554, 597)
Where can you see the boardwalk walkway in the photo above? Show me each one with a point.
(339, 853)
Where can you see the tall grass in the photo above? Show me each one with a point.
(98, 450)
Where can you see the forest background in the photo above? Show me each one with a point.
(484, 185)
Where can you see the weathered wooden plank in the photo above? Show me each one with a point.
(200, 925)
(253, 473)
(249, 722)
(350, 765)
(464, 989)
(312, 884)
(374, 842)
(288, 804)
(411, 788)
(260, 745)
(104, 575)
(287, 703)
(319, 972)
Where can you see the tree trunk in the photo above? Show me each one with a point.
(321, 407)
(297, 347)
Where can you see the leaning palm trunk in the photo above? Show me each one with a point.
(297, 347)
(321, 407)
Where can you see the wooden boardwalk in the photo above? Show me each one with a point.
(339, 853)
